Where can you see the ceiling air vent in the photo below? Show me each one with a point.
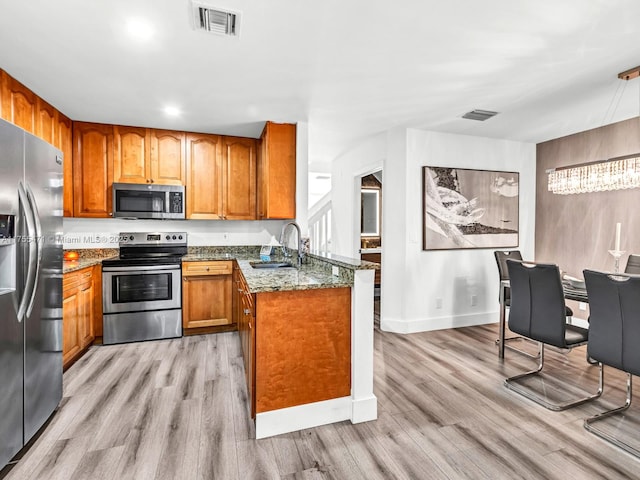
(481, 115)
(217, 20)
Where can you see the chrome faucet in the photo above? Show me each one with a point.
(283, 246)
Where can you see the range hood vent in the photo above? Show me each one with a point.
(480, 115)
(216, 20)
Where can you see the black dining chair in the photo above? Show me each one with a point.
(538, 312)
(633, 264)
(614, 303)
(501, 257)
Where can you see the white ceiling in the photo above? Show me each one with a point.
(349, 68)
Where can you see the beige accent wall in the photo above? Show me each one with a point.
(576, 231)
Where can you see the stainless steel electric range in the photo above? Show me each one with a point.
(142, 289)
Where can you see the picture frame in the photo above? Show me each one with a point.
(469, 209)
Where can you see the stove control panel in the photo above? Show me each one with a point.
(153, 238)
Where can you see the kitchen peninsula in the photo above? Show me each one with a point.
(306, 336)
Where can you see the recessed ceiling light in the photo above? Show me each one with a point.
(171, 111)
(140, 28)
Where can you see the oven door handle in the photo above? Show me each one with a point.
(140, 268)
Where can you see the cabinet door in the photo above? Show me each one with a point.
(64, 141)
(204, 196)
(277, 172)
(206, 301)
(46, 121)
(167, 157)
(92, 169)
(239, 178)
(97, 301)
(19, 104)
(131, 157)
(70, 315)
(85, 318)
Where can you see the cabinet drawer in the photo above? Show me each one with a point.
(74, 279)
(207, 268)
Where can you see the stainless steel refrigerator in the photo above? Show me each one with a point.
(30, 286)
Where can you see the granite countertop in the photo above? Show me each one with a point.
(88, 258)
(316, 272)
(260, 280)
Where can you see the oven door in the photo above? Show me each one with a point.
(138, 288)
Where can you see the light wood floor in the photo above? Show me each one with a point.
(175, 409)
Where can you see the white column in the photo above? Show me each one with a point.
(364, 402)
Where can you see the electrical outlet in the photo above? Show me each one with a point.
(335, 271)
(438, 303)
(474, 300)
(582, 306)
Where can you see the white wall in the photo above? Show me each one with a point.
(414, 281)
(103, 232)
(347, 169)
(302, 177)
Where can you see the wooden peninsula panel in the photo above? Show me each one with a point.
(303, 347)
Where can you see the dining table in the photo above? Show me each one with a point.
(571, 292)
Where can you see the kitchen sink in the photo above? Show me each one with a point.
(271, 264)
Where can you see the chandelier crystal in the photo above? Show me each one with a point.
(614, 174)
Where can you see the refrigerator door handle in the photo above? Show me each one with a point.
(29, 284)
(38, 246)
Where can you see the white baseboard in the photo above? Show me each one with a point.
(436, 323)
(364, 409)
(300, 417)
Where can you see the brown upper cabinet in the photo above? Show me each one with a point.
(64, 141)
(226, 178)
(221, 178)
(277, 172)
(22, 107)
(146, 155)
(168, 166)
(92, 169)
(239, 178)
(46, 121)
(204, 195)
(131, 155)
(19, 104)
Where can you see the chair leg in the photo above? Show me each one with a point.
(511, 384)
(588, 423)
(517, 350)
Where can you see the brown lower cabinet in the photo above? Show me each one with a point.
(206, 295)
(81, 312)
(296, 345)
(245, 313)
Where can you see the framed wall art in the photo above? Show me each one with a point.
(464, 208)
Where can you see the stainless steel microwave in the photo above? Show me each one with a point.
(140, 200)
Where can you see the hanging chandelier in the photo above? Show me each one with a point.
(617, 173)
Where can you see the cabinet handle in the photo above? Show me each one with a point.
(207, 269)
(151, 181)
(247, 311)
(86, 274)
